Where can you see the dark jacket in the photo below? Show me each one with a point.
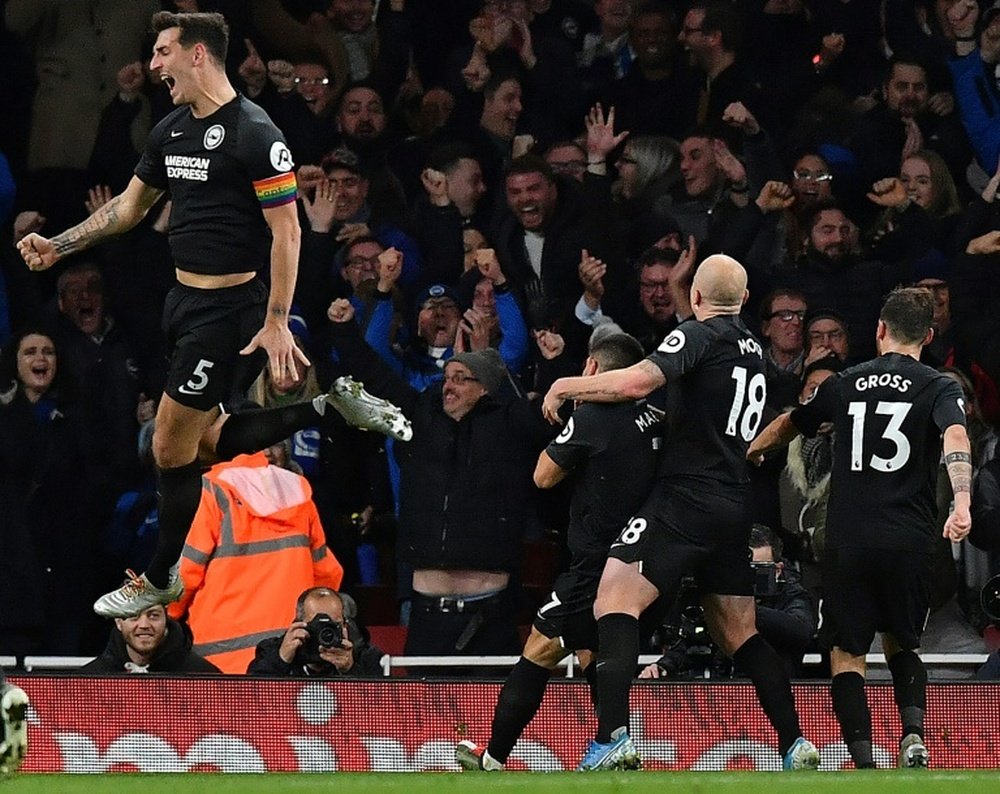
(788, 618)
(851, 287)
(465, 486)
(985, 532)
(173, 656)
(107, 375)
(879, 137)
(367, 662)
(48, 528)
(550, 299)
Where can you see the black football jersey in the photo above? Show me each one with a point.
(614, 448)
(888, 415)
(718, 367)
(220, 171)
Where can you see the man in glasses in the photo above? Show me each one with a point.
(312, 82)
(711, 35)
(298, 98)
(831, 274)
(826, 335)
(465, 494)
(781, 316)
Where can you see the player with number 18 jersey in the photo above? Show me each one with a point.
(722, 398)
(698, 506)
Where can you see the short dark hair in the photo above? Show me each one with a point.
(722, 18)
(657, 7)
(657, 255)
(773, 295)
(903, 59)
(355, 84)
(344, 252)
(344, 159)
(356, 241)
(762, 535)
(830, 363)
(446, 157)
(83, 266)
(708, 131)
(812, 216)
(498, 77)
(616, 351)
(201, 28)
(529, 164)
(10, 382)
(908, 313)
(565, 143)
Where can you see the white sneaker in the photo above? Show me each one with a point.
(13, 717)
(473, 758)
(138, 594)
(364, 410)
(913, 753)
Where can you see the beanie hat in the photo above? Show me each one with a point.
(486, 365)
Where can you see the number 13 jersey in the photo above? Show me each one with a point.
(888, 415)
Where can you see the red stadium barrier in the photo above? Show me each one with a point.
(151, 724)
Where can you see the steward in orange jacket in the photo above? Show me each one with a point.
(255, 544)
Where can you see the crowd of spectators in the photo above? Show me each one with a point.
(476, 175)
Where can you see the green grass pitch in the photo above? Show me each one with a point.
(846, 782)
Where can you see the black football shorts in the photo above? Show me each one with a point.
(680, 532)
(874, 590)
(206, 329)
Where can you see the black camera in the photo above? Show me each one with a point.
(989, 598)
(683, 638)
(324, 632)
(766, 579)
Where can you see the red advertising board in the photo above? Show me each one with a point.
(151, 724)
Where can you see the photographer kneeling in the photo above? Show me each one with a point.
(786, 618)
(323, 641)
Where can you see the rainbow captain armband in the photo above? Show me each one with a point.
(276, 190)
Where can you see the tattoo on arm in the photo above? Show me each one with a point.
(278, 312)
(584, 391)
(105, 222)
(959, 466)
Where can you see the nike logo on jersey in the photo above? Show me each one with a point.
(176, 133)
(183, 389)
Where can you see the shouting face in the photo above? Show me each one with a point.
(532, 198)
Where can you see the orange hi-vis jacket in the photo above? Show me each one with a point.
(255, 544)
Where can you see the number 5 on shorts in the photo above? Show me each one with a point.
(199, 378)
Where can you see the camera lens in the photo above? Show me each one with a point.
(989, 598)
(328, 636)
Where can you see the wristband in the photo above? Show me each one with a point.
(965, 38)
(501, 289)
(739, 188)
